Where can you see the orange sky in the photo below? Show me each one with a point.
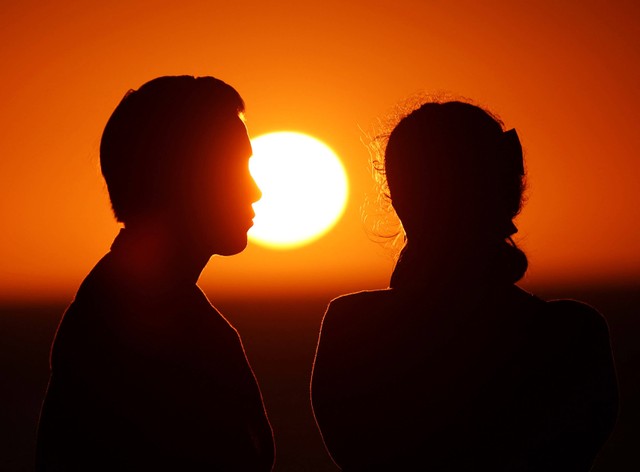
(565, 76)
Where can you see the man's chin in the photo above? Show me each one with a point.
(231, 248)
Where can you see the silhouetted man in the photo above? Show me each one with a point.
(145, 373)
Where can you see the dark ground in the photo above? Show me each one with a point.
(280, 337)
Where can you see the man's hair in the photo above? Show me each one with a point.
(155, 134)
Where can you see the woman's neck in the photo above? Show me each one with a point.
(441, 265)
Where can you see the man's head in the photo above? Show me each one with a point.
(176, 152)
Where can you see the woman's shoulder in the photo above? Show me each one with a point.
(569, 329)
(353, 309)
(362, 298)
(359, 304)
(576, 311)
(560, 311)
(573, 315)
(581, 324)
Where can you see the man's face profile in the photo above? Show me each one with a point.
(220, 190)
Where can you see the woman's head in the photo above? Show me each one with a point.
(455, 176)
(450, 166)
(177, 150)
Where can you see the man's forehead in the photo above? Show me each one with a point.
(241, 136)
(230, 139)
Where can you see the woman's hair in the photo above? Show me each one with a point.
(452, 171)
(155, 133)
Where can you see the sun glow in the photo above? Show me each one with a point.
(304, 189)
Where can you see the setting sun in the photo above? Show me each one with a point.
(304, 189)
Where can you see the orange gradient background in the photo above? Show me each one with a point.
(565, 74)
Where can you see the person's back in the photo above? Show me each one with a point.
(145, 373)
(454, 367)
(491, 380)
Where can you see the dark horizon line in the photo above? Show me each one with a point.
(553, 288)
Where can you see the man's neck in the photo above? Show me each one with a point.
(153, 251)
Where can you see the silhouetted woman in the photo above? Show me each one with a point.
(145, 374)
(454, 367)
